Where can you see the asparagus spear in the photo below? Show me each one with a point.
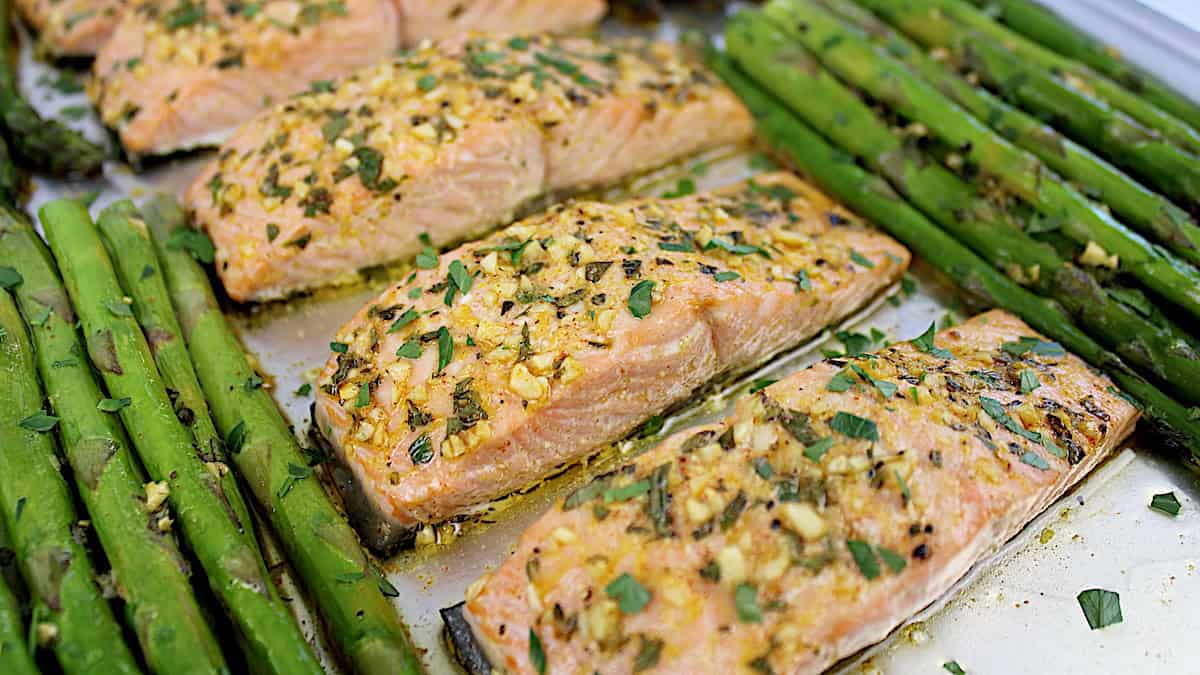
(1151, 213)
(1041, 25)
(69, 612)
(128, 244)
(151, 574)
(319, 542)
(14, 657)
(765, 52)
(203, 492)
(1075, 74)
(46, 145)
(856, 61)
(874, 198)
(1128, 144)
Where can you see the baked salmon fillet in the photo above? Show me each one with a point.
(530, 350)
(178, 74)
(824, 511)
(448, 140)
(71, 27)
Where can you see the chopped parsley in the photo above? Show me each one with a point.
(537, 655)
(1028, 344)
(925, 343)
(683, 188)
(849, 424)
(864, 557)
(427, 259)
(113, 404)
(304, 390)
(861, 259)
(339, 347)
(640, 298)
(745, 600)
(1166, 503)
(1035, 460)
(1029, 381)
(296, 473)
(953, 668)
(364, 396)
(9, 278)
(840, 382)
(39, 422)
(1100, 607)
(427, 83)
(236, 438)
(996, 411)
(817, 450)
(726, 276)
(761, 383)
(648, 653)
(630, 595)
(403, 320)
(421, 450)
(409, 350)
(194, 242)
(445, 348)
(627, 492)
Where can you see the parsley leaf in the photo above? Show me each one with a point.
(537, 655)
(1166, 502)
(630, 595)
(640, 298)
(849, 424)
(745, 600)
(194, 242)
(925, 343)
(39, 422)
(1100, 607)
(864, 557)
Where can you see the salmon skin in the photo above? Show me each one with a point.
(70, 28)
(824, 511)
(179, 74)
(530, 350)
(448, 140)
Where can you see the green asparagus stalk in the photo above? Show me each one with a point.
(151, 574)
(1137, 205)
(319, 542)
(129, 245)
(873, 197)
(856, 61)
(14, 657)
(45, 145)
(69, 612)
(1091, 121)
(203, 492)
(1075, 74)
(768, 55)
(1043, 26)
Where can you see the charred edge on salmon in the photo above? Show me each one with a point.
(462, 643)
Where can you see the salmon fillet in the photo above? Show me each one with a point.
(72, 27)
(447, 140)
(580, 324)
(823, 512)
(186, 73)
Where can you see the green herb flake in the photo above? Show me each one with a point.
(295, 473)
(236, 438)
(903, 485)
(39, 422)
(113, 404)
(403, 320)
(304, 390)
(409, 350)
(386, 589)
(627, 492)
(194, 242)
(894, 561)
(460, 277)
(817, 450)
(1029, 381)
(537, 655)
(761, 383)
(849, 424)
(350, 577)
(683, 188)
(1035, 460)
(445, 345)
(364, 396)
(861, 259)
(925, 343)
(421, 450)
(339, 347)
(1100, 607)
(640, 298)
(648, 653)
(953, 668)
(864, 557)
(745, 600)
(996, 411)
(762, 467)
(10, 278)
(1166, 503)
(726, 276)
(630, 595)
(1025, 345)
(840, 382)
